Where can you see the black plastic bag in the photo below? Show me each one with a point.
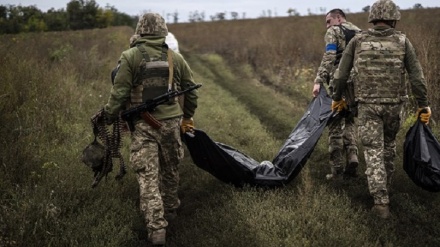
(422, 157)
(232, 166)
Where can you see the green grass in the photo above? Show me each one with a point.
(46, 197)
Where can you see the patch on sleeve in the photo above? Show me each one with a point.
(331, 47)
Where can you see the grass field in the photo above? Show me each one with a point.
(52, 83)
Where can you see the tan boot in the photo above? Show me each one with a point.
(381, 210)
(158, 237)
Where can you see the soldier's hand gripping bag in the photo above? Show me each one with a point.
(422, 157)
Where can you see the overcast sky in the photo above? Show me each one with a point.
(251, 8)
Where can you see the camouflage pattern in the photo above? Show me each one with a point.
(333, 36)
(342, 132)
(153, 79)
(379, 121)
(133, 39)
(155, 155)
(410, 62)
(380, 124)
(342, 142)
(151, 24)
(384, 53)
(384, 10)
(129, 72)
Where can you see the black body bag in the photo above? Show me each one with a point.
(421, 159)
(233, 166)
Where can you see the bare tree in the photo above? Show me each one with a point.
(221, 16)
(366, 8)
(175, 17)
(418, 6)
(234, 15)
(293, 12)
(196, 16)
(218, 16)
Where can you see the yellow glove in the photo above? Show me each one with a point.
(187, 125)
(339, 105)
(424, 113)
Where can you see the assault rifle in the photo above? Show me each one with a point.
(149, 105)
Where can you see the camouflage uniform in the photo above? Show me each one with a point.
(155, 153)
(342, 131)
(155, 160)
(380, 57)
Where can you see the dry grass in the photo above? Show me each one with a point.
(256, 86)
(282, 51)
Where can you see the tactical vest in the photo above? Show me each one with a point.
(379, 69)
(156, 77)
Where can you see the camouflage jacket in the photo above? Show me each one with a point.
(410, 64)
(129, 73)
(334, 44)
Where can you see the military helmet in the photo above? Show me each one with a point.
(93, 155)
(151, 24)
(384, 10)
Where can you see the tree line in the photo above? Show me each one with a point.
(78, 15)
(87, 14)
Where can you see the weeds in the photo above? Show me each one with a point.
(48, 96)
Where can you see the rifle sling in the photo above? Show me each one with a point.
(171, 70)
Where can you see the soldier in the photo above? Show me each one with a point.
(342, 131)
(133, 39)
(149, 69)
(379, 58)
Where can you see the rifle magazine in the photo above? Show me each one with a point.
(151, 120)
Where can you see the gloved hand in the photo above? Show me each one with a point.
(424, 113)
(339, 105)
(187, 125)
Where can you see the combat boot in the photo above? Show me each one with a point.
(352, 164)
(381, 210)
(170, 214)
(158, 237)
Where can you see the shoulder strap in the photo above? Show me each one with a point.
(171, 69)
(166, 55)
(348, 33)
(143, 51)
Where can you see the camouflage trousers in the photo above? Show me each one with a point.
(155, 156)
(378, 127)
(342, 141)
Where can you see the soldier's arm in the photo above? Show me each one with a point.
(185, 77)
(329, 57)
(120, 91)
(343, 72)
(415, 74)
